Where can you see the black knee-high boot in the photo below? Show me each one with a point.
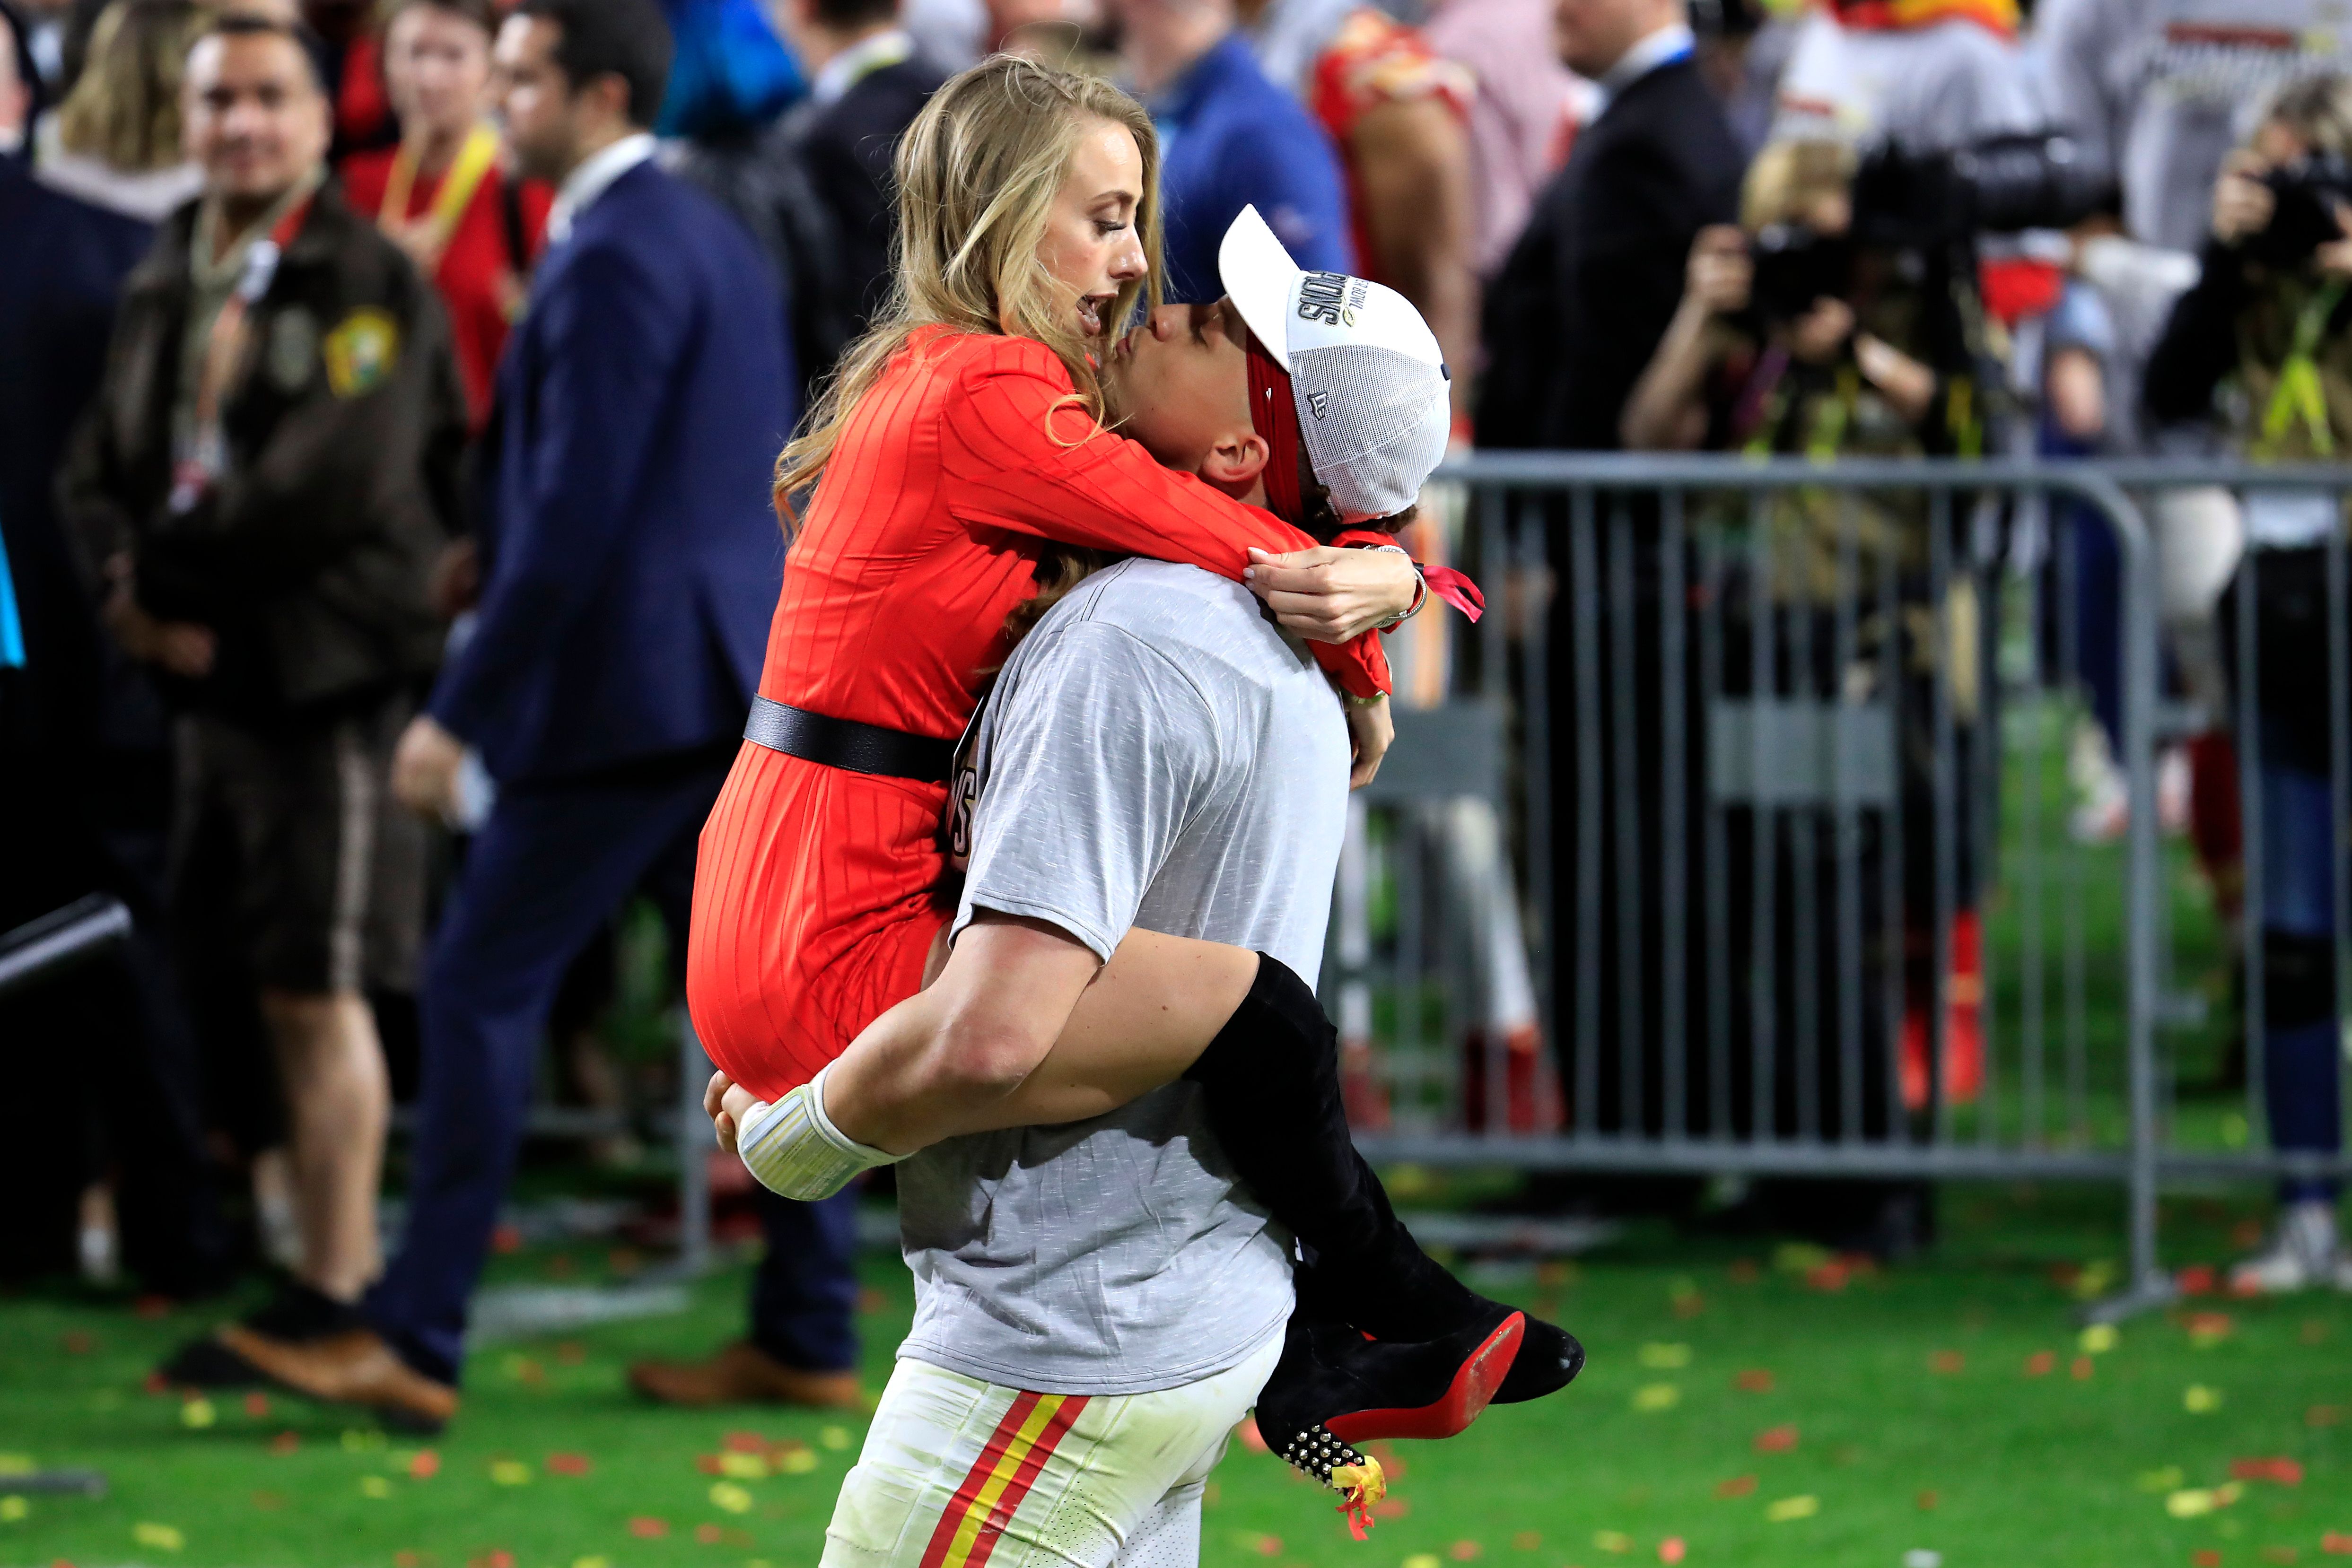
(1271, 1079)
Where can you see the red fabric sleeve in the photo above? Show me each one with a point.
(1012, 459)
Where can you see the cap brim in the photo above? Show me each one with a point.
(1259, 276)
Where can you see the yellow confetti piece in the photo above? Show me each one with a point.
(834, 1438)
(592, 1563)
(374, 1487)
(1612, 1541)
(2227, 1492)
(1657, 1397)
(1665, 1358)
(12, 1508)
(198, 1413)
(2164, 1479)
(161, 1537)
(510, 1473)
(797, 1461)
(16, 1464)
(2095, 1279)
(2200, 1400)
(2191, 1502)
(727, 1495)
(1421, 1559)
(1800, 1257)
(2099, 1339)
(742, 1467)
(1801, 1507)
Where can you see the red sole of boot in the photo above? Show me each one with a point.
(1474, 1385)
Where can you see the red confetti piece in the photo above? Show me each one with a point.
(1393, 1463)
(1391, 1508)
(499, 1557)
(284, 1443)
(871, 1300)
(2080, 1370)
(1252, 1438)
(2279, 1554)
(77, 1342)
(406, 1559)
(1744, 1271)
(2207, 1325)
(506, 1239)
(1671, 1550)
(572, 1353)
(2323, 1415)
(2196, 1280)
(709, 1534)
(645, 1527)
(269, 1501)
(154, 1384)
(2335, 1543)
(1271, 1545)
(1755, 1380)
(1946, 1362)
(257, 1405)
(1689, 1306)
(1831, 1276)
(2206, 1557)
(2040, 1364)
(1526, 1541)
(2244, 1289)
(1776, 1440)
(1927, 1501)
(1737, 1486)
(153, 1306)
(425, 1466)
(2286, 1472)
(709, 1465)
(567, 1464)
(2246, 1234)
(744, 1443)
(1464, 1551)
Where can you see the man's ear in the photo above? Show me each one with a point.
(1235, 460)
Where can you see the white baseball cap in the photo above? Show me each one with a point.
(1365, 370)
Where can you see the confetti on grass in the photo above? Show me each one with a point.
(1612, 1541)
(1737, 1486)
(161, 1537)
(567, 1464)
(2200, 1400)
(1665, 1358)
(1800, 1507)
(728, 1496)
(1776, 1440)
(1671, 1550)
(2040, 1364)
(2099, 1339)
(198, 1414)
(1755, 1380)
(510, 1472)
(2284, 1472)
(645, 1527)
(13, 1510)
(1657, 1397)
(1947, 1363)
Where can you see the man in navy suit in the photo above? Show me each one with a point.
(630, 565)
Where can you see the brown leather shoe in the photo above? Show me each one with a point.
(351, 1368)
(743, 1373)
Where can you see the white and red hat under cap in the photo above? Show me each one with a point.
(1367, 377)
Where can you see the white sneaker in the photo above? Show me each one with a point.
(2302, 1252)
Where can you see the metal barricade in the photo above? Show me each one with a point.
(1775, 751)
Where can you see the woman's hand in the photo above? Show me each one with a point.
(1903, 381)
(1818, 335)
(2243, 205)
(724, 1102)
(1371, 729)
(1328, 595)
(1719, 277)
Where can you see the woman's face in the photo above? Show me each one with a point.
(1090, 244)
(436, 68)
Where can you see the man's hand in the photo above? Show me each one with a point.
(2243, 205)
(724, 1100)
(425, 768)
(1907, 384)
(1371, 729)
(183, 648)
(1819, 335)
(1719, 275)
(1328, 595)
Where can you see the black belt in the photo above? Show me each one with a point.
(845, 742)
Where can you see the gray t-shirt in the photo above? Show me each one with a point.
(1156, 754)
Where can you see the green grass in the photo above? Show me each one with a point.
(1978, 1461)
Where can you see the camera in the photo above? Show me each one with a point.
(2302, 217)
(1793, 266)
(2005, 185)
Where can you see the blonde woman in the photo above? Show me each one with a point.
(963, 430)
(115, 140)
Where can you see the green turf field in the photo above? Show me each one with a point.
(1734, 1411)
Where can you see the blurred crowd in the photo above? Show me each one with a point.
(389, 393)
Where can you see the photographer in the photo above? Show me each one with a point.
(2270, 318)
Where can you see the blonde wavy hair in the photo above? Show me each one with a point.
(124, 110)
(977, 173)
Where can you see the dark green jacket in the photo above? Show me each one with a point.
(345, 428)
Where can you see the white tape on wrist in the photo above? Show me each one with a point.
(796, 1151)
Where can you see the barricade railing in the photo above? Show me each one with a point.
(1757, 776)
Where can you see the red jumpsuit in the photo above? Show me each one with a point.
(815, 897)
